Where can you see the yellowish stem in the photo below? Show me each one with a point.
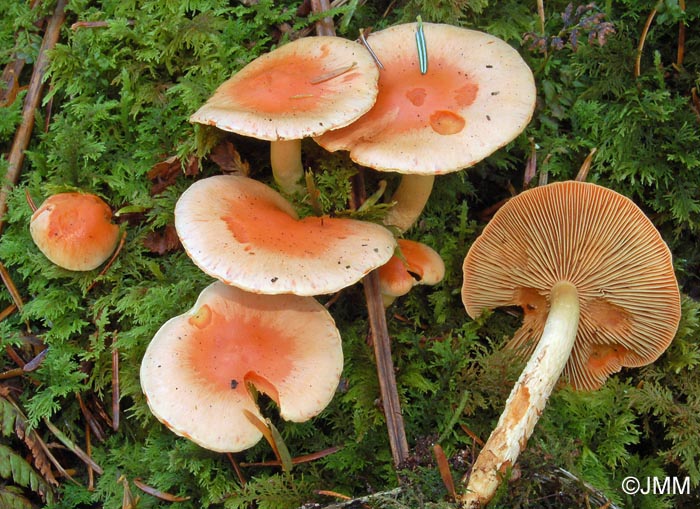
(527, 399)
(410, 197)
(287, 170)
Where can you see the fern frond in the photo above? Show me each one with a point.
(11, 498)
(15, 468)
(8, 417)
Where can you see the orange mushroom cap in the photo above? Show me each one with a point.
(477, 95)
(301, 89)
(247, 235)
(74, 230)
(196, 368)
(603, 244)
(417, 264)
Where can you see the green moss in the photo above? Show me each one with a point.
(120, 97)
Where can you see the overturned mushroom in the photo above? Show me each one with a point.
(74, 230)
(596, 284)
(247, 235)
(476, 95)
(298, 90)
(415, 264)
(196, 370)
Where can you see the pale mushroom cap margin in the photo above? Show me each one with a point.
(278, 96)
(601, 242)
(245, 234)
(476, 97)
(206, 403)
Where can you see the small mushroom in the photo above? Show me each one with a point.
(476, 95)
(596, 284)
(298, 90)
(416, 264)
(74, 230)
(245, 234)
(196, 370)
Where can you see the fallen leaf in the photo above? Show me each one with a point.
(164, 173)
(229, 160)
(162, 241)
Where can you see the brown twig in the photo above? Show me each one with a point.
(88, 451)
(13, 70)
(120, 246)
(376, 312)
(31, 102)
(695, 100)
(642, 39)
(7, 311)
(472, 435)
(73, 447)
(305, 458)
(681, 38)
(30, 200)
(530, 165)
(168, 497)
(324, 26)
(115, 385)
(10, 80)
(11, 288)
(335, 494)
(237, 468)
(385, 368)
(540, 14)
(90, 418)
(586, 166)
(14, 356)
(336, 296)
(376, 315)
(95, 24)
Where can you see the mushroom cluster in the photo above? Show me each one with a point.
(259, 325)
(393, 110)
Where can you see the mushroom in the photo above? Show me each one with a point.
(301, 89)
(196, 369)
(476, 95)
(246, 234)
(74, 230)
(415, 264)
(596, 284)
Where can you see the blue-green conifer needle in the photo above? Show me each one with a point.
(422, 48)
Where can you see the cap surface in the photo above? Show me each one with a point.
(196, 369)
(601, 242)
(247, 235)
(300, 89)
(74, 230)
(477, 95)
